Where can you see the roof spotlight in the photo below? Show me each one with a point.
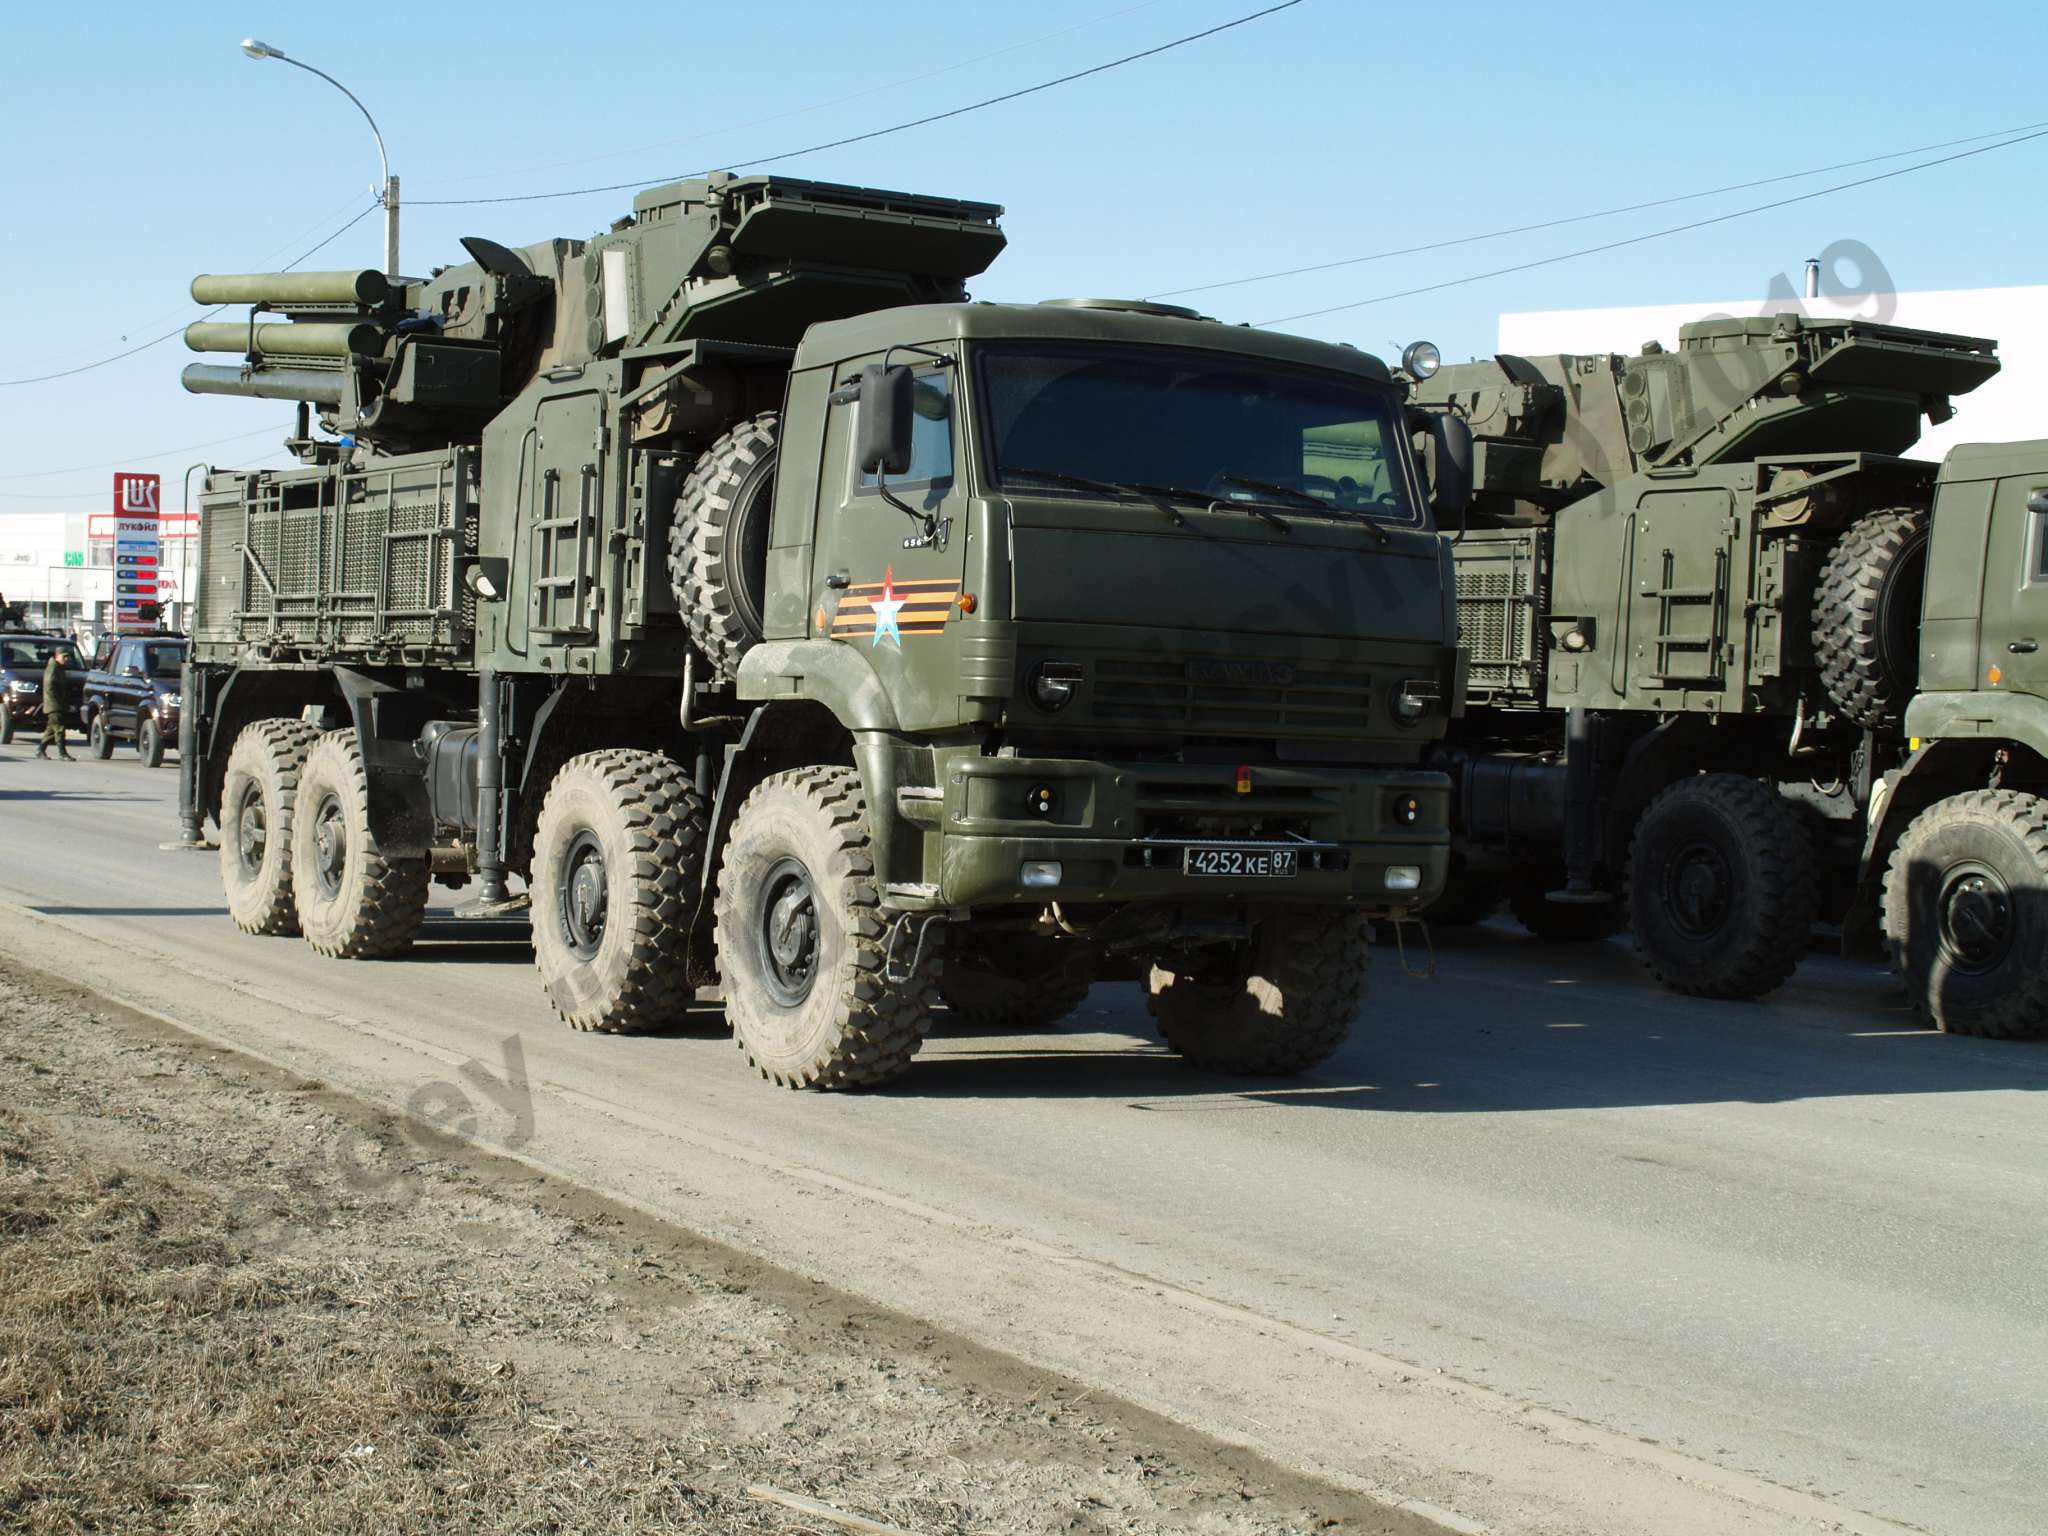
(1420, 359)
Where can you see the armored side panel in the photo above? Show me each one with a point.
(1503, 604)
(356, 565)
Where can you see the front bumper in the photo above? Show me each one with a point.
(1119, 832)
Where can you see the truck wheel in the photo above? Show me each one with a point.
(1866, 614)
(1720, 887)
(356, 902)
(149, 742)
(802, 940)
(256, 802)
(1966, 913)
(1468, 899)
(618, 857)
(1032, 987)
(1279, 1004)
(718, 542)
(97, 741)
(1559, 922)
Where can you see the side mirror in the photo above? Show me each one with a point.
(1451, 436)
(886, 404)
(131, 671)
(2038, 502)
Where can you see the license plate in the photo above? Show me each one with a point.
(1241, 863)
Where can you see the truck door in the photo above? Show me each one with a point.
(2013, 650)
(901, 571)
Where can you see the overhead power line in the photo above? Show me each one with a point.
(873, 133)
(1656, 234)
(1583, 218)
(156, 341)
(138, 458)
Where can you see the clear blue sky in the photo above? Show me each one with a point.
(143, 147)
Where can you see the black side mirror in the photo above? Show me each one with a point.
(1451, 436)
(131, 671)
(885, 417)
(2038, 502)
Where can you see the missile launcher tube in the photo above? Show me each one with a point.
(305, 339)
(287, 288)
(318, 386)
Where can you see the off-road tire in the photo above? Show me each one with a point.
(981, 991)
(1933, 920)
(1468, 898)
(264, 765)
(99, 741)
(149, 742)
(1303, 981)
(1721, 887)
(820, 1011)
(718, 542)
(1866, 614)
(1562, 922)
(355, 901)
(618, 858)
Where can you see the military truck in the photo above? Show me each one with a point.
(1690, 586)
(806, 637)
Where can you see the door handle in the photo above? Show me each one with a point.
(837, 580)
(2023, 647)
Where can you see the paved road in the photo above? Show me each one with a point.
(1542, 1249)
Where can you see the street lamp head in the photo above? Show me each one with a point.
(257, 50)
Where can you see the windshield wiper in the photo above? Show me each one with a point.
(1305, 499)
(1162, 496)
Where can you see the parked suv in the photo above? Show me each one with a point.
(134, 697)
(22, 659)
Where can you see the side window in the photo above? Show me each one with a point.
(2037, 538)
(931, 432)
(129, 655)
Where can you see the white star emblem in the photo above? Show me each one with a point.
(886, 607)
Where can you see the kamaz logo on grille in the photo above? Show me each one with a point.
(1267, 674)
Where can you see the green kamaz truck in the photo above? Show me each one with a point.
(1706, 636)
(803, 636)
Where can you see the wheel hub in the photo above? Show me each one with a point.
(330, 844)
(1698, 889)
(252, 835)
(584, 895)
(789, 931)
(1976, 919)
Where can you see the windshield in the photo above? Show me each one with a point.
(17, 652)
(1237, 430)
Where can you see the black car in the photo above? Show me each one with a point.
(22, 659)
(134, 697)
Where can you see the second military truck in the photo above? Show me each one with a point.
(805, 636)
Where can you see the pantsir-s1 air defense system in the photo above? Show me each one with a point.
(805, 636)
(1696, 596)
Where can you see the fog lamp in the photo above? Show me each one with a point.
(1421, 359)
(1037, 874)
(1404, 877)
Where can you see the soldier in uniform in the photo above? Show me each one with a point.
(53, 706)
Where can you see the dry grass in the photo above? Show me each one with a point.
(155, 1376)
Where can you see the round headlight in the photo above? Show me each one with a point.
(1420, 359)
(1053, 684)
(1409, 701)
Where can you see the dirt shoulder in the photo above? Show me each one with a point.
(234, 1300)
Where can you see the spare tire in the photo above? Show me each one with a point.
(1866, 614)
(718, 542)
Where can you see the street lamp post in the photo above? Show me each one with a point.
(389, 196)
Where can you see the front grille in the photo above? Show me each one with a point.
(1222, 696)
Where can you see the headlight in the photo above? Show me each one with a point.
(21, 685)
(1053, 684)
(1411, 698)
(1420, 359)
(167, 701)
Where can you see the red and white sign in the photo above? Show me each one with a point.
(138, 501)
